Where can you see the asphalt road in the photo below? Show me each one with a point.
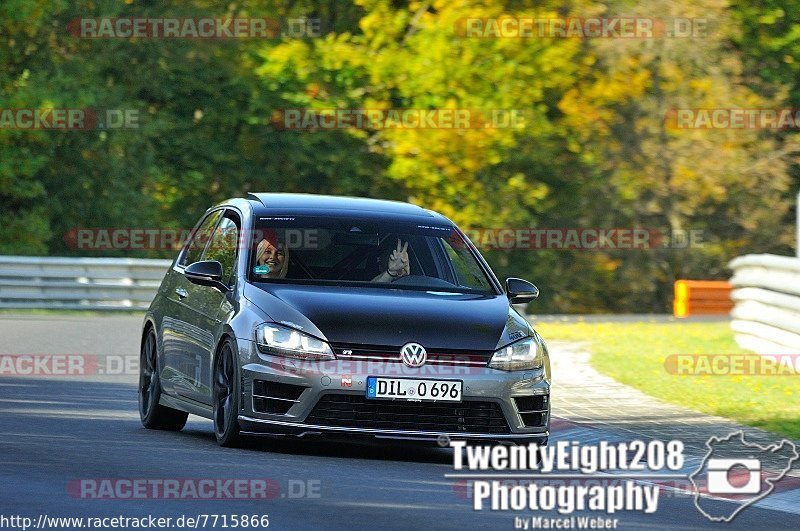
(56, 431)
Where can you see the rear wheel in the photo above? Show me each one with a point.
(155, 416)
(226, 397)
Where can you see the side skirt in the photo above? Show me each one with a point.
(185, 404)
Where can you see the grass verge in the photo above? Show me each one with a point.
(634, 354)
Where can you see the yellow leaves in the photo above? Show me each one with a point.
(534, 191)
(609, 264)
(381, 24)
(702, 85)
(772, 16)
(293, 55)
(592, 107)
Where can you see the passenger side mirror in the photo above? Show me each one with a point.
(520, 291)
(206, 273)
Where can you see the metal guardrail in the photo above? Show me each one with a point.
(766, 294)
(79, 283)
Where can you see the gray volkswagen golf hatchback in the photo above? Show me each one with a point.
(292, 314)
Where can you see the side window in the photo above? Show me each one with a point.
(468, 272)
(195, 246)
(222, 248)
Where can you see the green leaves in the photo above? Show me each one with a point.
(591, 150)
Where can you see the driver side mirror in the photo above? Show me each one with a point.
(206, 273)
(520, 291)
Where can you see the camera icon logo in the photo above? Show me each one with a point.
(725, 476)
(739, 471)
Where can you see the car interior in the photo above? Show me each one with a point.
(361, 256)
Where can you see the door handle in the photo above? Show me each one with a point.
(182, 293)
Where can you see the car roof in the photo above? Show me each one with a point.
(265, 204)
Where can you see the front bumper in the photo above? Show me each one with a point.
(328, 398)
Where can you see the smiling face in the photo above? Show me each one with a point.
(272, 256)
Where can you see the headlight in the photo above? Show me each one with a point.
(284, 341)
(525, 354)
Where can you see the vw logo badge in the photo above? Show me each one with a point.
(413, 354)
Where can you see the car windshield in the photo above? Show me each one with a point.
(405, 255)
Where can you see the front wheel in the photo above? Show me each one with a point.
(155, 416)
(226, 397)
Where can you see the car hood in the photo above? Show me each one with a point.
(392, 317)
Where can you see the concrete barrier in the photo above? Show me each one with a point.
(766, 295)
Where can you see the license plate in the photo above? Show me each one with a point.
(412, 389)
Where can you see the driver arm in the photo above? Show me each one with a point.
(385, 277)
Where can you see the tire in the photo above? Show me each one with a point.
(155, 416)
(226, 397)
